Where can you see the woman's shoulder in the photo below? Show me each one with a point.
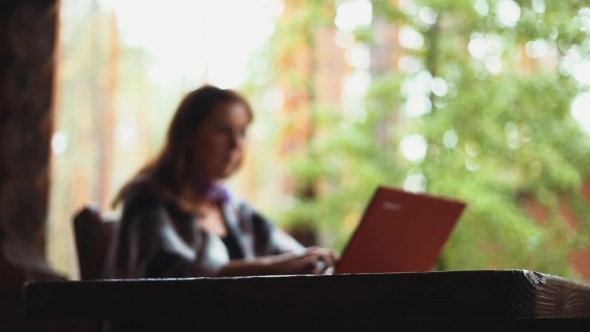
(142, 193)
(148, 202)
(244, 209)
(236, 200)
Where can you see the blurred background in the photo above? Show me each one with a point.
(486, 101)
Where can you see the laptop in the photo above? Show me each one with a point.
(400, 232)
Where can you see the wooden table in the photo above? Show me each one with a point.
(467, 300)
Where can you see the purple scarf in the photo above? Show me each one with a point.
(212, 190)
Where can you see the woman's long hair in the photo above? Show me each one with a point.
(168, 173)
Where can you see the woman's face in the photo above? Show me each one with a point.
(219, 141)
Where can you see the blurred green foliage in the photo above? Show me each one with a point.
(496, 139)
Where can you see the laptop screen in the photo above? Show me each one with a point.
(400, 232)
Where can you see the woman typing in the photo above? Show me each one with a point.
(179, 220)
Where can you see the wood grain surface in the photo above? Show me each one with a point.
(558, 297)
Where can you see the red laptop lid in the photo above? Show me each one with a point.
(400, 232)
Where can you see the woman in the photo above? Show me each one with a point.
(179, 221)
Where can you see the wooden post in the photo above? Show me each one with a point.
(28, 30)
(27, 69)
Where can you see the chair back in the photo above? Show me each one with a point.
(94, 236)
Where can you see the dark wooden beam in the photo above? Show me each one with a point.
(346, 301)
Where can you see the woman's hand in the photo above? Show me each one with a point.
(312, 260)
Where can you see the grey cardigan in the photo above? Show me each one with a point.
(157, 239)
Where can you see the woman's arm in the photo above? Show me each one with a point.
(308, 261)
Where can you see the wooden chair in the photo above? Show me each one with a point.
(94, 236)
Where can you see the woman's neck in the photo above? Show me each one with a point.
(202, 192)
